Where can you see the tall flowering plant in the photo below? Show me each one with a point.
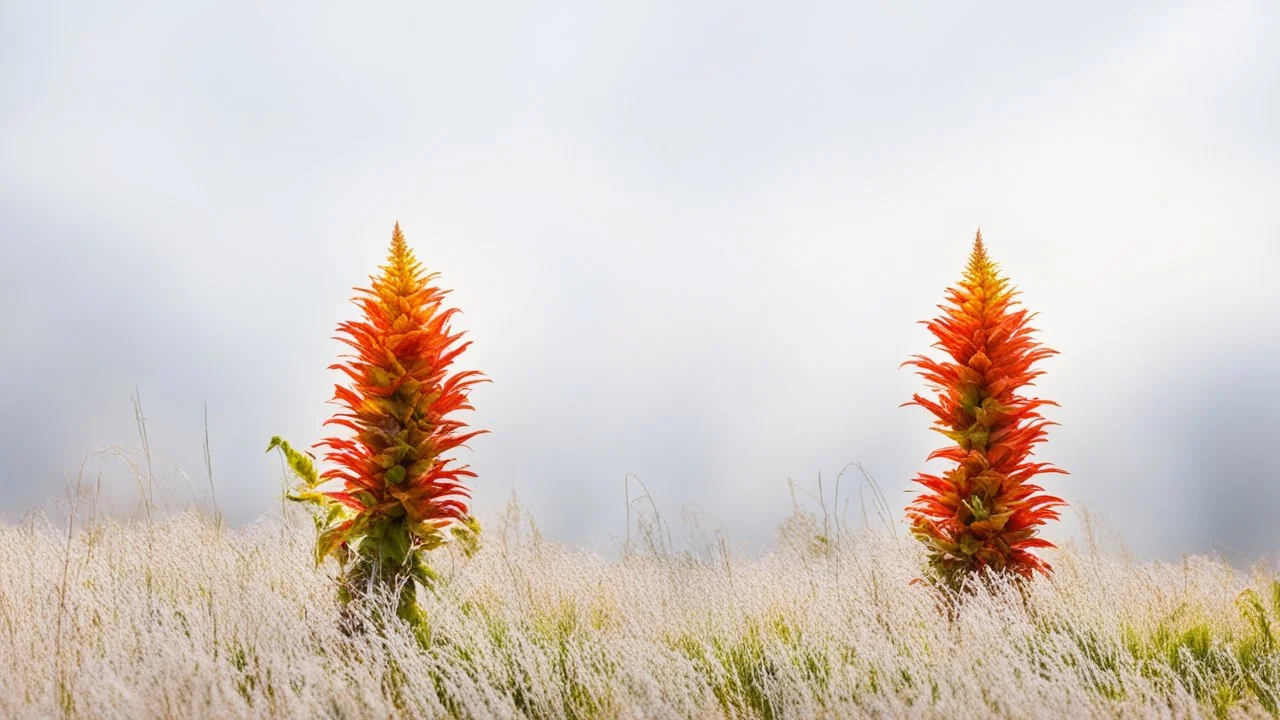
(392, 491)
(985, 511)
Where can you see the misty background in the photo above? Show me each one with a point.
(690, 241)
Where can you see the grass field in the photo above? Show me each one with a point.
(182, 618)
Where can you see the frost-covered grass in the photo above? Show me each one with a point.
(185, 619)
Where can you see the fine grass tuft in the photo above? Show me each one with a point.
(249, 627)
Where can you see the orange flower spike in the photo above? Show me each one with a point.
(392, 492)
(398, 402)
(983, 513)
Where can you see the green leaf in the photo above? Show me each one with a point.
(299, 463)
(977, 507)
(336, 512)
(309, 496)
(978, 436)
(395, 544)
(423, 573)
(329, 540)
(467, 535)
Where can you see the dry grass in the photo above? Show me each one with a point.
(186, 619)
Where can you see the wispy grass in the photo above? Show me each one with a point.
(213, 622)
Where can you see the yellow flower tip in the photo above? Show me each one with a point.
(980, 264)
(400, 255)
(980, 249)
(398, 244)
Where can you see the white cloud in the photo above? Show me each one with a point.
(689, 241)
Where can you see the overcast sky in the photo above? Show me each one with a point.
(690, 241)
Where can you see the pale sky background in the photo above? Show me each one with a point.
(690, 241)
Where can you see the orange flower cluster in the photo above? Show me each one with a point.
(985, 512)
(398, 494)
(399, 405)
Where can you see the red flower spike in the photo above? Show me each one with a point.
(983, 513)
(398, 401)
(392, 492)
